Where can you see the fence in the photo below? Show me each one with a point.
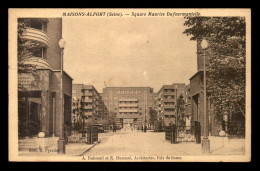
(175, 134)
(170, 134)
(77, 137)
(92, 136)
(186, 134)
(236, 128)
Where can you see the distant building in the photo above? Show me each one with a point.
(167, 102)
(90, 101)
(129, 104)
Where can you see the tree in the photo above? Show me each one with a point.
(153, 116)
(226, 60)
(160, 124)
(79, 122)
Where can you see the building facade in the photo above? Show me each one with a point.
(167, 102)
(90, 101)
(44, 106)
(130, 105)
(214, 124)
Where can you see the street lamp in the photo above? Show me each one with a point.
(205, 141)
(61, 141)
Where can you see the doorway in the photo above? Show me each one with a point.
(34, 114)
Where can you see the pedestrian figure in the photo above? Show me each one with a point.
(145, 128)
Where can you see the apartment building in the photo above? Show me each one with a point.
(90, 102)
(167, 102)
(129, 104)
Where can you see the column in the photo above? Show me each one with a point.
(45, 111)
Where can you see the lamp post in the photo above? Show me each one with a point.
(61, 141)
(205, 141)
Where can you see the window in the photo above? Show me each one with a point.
(40, 53)
(36, 25)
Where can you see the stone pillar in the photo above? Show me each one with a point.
(45, 111)
(58, 117)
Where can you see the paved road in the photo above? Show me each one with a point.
(142, 144)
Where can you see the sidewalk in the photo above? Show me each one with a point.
(234, 147)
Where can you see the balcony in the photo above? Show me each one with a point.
(128, 116)
(87, 94)
(169, 100)
(128, 110)
(169, 106)
(88, 113)
(87, 100)
(169, 113)
(127, 100)
(169, 93)
(37, 36)
(39, 62)
(128, 105)
(87, 107)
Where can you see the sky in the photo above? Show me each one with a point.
(128, 52)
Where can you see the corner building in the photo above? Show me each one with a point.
(130, 104)
(40, 102)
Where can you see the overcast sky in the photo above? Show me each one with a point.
(128, 51)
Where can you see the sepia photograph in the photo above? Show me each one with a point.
(129, 85)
